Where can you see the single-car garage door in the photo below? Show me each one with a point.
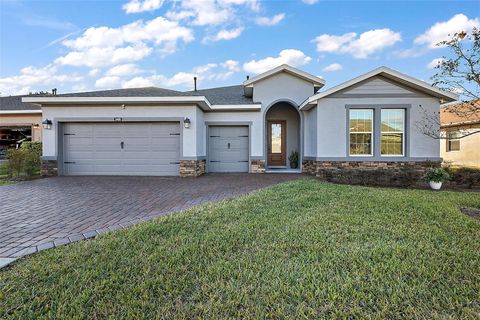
(143, 149)
(228, 149)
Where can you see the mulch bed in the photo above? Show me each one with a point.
(471, 212)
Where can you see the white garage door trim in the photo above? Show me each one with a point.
(210, 124)
(127, 161)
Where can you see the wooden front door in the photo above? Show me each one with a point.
(277, 133)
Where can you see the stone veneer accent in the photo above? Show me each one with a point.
(49, 168)
(257, 166)
(192, 168)
(376, 173)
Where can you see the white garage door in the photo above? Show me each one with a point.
(228, 149)
(143, 149)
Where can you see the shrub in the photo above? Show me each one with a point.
(32, 157)
(24, 161)
(464, 176)
(15, 162)
(437, 175)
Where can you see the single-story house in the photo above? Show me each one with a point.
(19, 121)
(461, 129)
(253, 127)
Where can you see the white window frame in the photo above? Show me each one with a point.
(372, 132)
(393, 132)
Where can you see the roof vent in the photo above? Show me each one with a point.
(195, 83)
(248, 77)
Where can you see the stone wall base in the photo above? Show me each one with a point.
(192, 168)
(49, 168)
(257, 166)
(373, 173)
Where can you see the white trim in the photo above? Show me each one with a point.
(316, 81)
(19, 111)
(371, 133)
(201, 100)
(388, 73)
(229, 107)
(393, 132)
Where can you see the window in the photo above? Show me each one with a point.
(453, 141)
(361, 132)
(393, 132)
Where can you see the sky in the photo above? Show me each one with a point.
(79, 46)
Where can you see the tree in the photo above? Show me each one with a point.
(458, 73)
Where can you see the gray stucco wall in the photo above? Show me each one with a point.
(284, 111)
(310, 132)
(332, 136)
(281, 86)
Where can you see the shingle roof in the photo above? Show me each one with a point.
(233, 95)
(223, 95)
(460, 114)
(133, 92)
(13, 103)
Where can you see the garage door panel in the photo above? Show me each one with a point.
(230, 155)
(227, 167)
(148, 149)
(228, 149)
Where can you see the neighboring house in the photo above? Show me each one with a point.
(462, 132)
(367, 122)
(19, 121)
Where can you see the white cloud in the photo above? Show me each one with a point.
(359, 47)
(108, 82)
(266, 21)
(33, 78)
(224, 35)
(209, 12)
(204, 73)
(104, 46)
(292, 57)
(94, 72)
(441, 31)
(99, 57)
(136, 6)
(310, 1)
(231, 65)
(410, 53)
(123, 70)
(333, 67)
(434, 63)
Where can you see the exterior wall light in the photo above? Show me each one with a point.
(186, 123)
(47, 124)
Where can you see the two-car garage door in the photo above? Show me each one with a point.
(148, 149)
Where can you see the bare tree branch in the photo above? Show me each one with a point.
(459, 73)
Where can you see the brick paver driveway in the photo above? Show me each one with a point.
(40, 214)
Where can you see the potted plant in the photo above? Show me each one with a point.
(436, 176)
(293, 158)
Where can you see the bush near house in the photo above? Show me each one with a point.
(464, 177)
(25, 161)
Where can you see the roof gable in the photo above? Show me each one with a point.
(316, 81)
(389, 75)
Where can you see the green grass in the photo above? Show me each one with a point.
(303, 249)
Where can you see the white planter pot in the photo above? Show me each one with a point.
(435, 185)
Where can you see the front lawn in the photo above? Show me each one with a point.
(303, 249)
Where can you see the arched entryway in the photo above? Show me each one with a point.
(283, 136)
